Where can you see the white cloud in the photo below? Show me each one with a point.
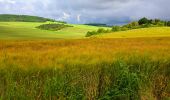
(78, 17)
(8, 1)
(65, 16)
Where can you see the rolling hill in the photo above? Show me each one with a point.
(24, 27)
(28, 30)
(143, 32)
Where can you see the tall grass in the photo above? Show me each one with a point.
(85, 69)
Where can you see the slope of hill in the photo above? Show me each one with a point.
(28, 30)
(143, 32)
(22, 18)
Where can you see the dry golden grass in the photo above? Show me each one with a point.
(124, 69)
(56, 53)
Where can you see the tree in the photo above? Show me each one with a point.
(157, 20)
(151, 21)
(168, 23)
(143, 21)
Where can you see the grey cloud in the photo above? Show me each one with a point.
(85, 11)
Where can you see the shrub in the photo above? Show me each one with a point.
(132, 25)
(124, 28)
(101, 30)
(107, 31)
(135, 24)
(116, 28)
(161, 24)
(91, 33)
(146, 25)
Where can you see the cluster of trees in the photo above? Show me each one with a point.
(153, 22)
(142, 23)
(24, 18)
(53, 27)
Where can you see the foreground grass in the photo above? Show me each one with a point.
(27, 30)
(106, 69)
(143, 32)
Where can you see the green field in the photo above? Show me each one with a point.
(27, 30)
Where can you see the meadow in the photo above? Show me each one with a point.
(28, 30)
(85, 69)
(63, 64)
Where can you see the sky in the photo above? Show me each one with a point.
(89, 11)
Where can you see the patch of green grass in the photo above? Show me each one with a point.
(27, 30)
(144, 32)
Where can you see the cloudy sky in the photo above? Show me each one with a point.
(89, 11)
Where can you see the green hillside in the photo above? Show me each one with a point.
(28, 30)
(143, 32)
(32, 27)
(22, 18)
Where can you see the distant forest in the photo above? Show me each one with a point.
(141, 23)
(98, 24)
(24, 18)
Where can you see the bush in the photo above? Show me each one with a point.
(145, 26)
(132, 25)
(124, 28)
(116, 28)
(107, 31)
(101, 30)
(91, 33)
(135, 24)
(160, 24)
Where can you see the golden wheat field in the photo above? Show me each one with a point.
(56, 53)
(85, 69)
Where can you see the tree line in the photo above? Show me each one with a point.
(25, 18)
(142, 23)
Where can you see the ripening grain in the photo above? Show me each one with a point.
(107, 69)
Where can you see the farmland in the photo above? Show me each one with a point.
(144, 32)
(55, 61)
(135, 68)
